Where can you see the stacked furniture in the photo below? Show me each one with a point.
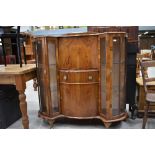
(28, 44)
(13, 78)
(12, 41)
(82, 76)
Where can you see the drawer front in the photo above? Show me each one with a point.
(85, 76)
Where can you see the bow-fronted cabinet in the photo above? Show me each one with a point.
(82, 76)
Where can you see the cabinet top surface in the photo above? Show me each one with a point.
(16, 69)
(80, 34)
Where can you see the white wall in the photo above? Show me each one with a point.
(25, 28)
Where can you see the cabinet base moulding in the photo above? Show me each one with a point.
(107, 122)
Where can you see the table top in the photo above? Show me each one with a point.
(15, 69)
(139, 81)
(146, 59)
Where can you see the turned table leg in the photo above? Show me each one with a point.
(21, 86)
(23, 108)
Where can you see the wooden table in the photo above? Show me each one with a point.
(13, 74)
(141, 96)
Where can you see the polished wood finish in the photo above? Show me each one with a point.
(70, 80)
(85, 55)
(16, 75)
(79, 100)
(80, 76)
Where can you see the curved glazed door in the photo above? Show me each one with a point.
(47, 76)
(113, 93)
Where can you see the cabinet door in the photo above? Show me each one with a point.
(118, 75)
(79, 100)
(79, 93)
(78, 52)
(112, 75)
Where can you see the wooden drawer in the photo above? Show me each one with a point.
(79, 76)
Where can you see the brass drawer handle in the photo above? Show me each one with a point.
(65, 77)
(90, 77)
(45, 71)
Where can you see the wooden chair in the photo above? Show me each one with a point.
(153, 52)
(138, 60)
(19, 41)
(149, 95)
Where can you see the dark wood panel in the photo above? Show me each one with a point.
(145, 43)
(102, 29)
(132, 31)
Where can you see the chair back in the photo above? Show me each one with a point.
(5, 35)
(144, 68)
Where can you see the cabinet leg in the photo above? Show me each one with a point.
(125, 119)
(51, 123)
(107, 124)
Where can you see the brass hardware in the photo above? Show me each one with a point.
(65, 77)
(90, 77)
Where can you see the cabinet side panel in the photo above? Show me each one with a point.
(40, 60)
(118, 76)
(103, 75)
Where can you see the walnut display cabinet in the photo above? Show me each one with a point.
(82, 76)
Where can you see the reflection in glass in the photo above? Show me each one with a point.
(53, 75)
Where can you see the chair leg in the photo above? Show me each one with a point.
(4, 53)
(145, 115)
(18, 46)
(24, 54)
